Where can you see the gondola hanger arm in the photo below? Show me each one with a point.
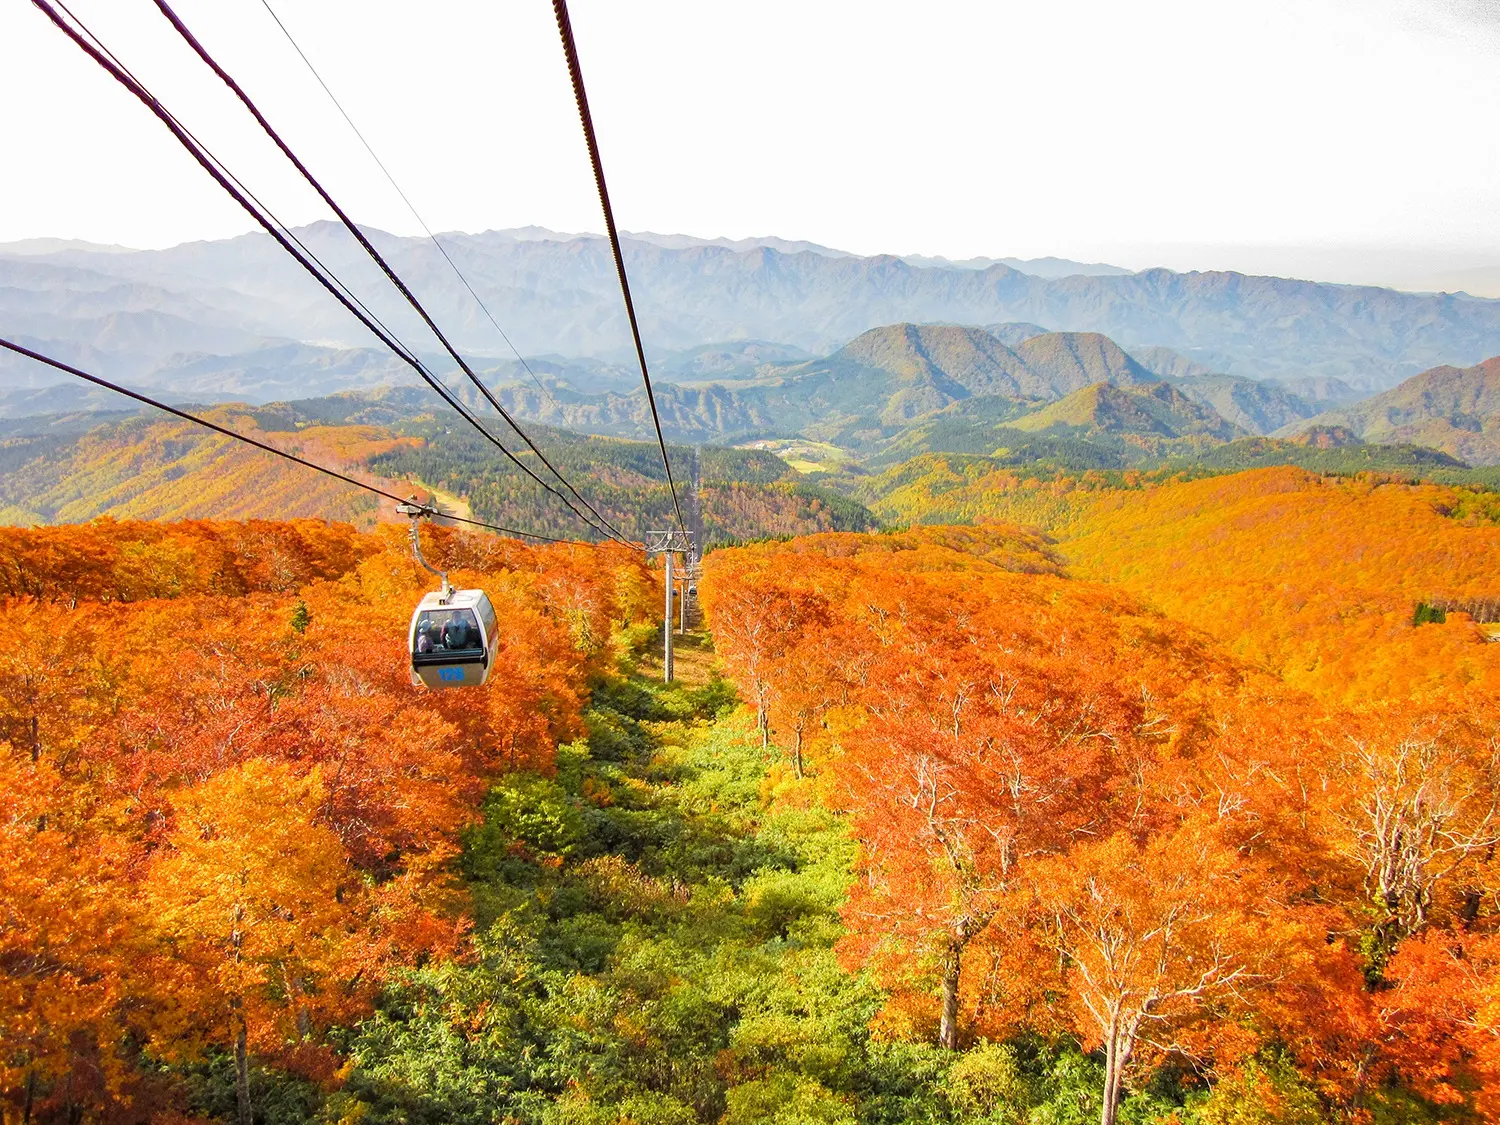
(418, 512)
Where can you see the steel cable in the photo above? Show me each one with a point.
(369, 248)
(267, 221)
(575, 71)
(410, 206)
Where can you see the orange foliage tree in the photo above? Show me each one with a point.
(66, 919)
(979, 718)
(257, 919)
(1415, 805)
(1153, 931)
(1442, 1017)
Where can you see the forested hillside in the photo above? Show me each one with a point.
(133, 467)
(742, 494)
(1318, 579)
(1157, 410)
(1052, 481)
(1309, 575)
(1457, 411)
(229, 820)
(148, 467)
(986, 824)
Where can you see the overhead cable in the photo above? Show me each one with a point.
(575, 71)
(225, 431)
(288, 241)
(410, 206)
(369, 248)
(403, 352)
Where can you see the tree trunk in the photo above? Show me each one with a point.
(242, 1115)
(30, 1097)
(72, 1111)
(294, 997)
(1361, 1075)
(797, 753)
(1111, 1087)
(1116, 1055)
(237, 1024)
(948, 1025)
(1467, 913)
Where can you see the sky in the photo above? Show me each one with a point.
(1343, 140)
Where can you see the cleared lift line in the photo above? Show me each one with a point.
(224, 430)
(575, 71)
(91, 45)
(379, 259)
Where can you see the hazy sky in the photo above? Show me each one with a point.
(1335, 138)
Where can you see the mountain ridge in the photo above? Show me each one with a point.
(559, 295)
(882, 381)
(1455, 410)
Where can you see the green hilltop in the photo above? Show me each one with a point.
(1155, 409)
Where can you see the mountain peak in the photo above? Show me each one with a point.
(1149, 409)
(1049, 365)
(1079, 359)
(1327, 437)
(904, 349)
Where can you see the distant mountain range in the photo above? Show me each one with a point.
(952, 381)
(1037, 267)
(236, 317)
(1054, 404)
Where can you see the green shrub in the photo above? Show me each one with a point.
(1263, 1093)
(785, 1099)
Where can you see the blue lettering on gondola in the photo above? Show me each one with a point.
(451, 675)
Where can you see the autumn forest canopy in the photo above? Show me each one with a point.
(1151, 800)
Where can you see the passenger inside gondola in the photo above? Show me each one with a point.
(449, 630)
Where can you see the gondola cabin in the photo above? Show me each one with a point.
(452, 639)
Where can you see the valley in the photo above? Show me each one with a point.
(854, 429)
